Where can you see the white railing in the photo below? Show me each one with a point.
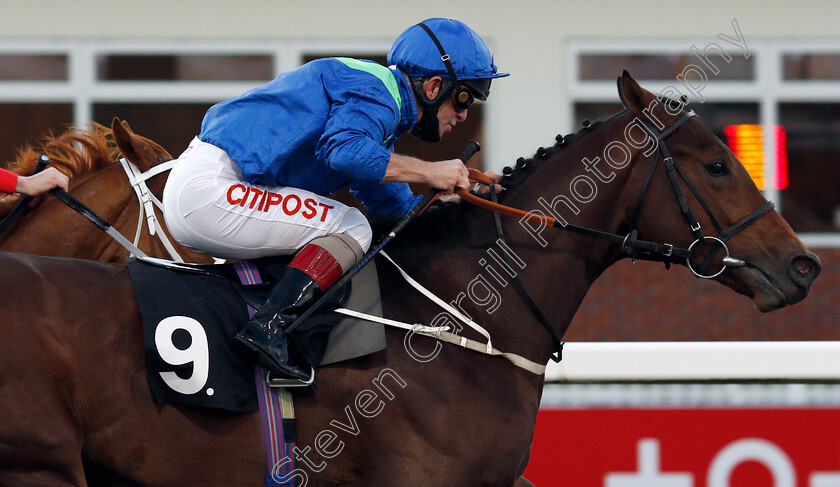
(697, 361)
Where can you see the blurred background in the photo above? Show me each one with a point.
(765, 76)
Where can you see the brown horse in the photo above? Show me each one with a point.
(90, 157)
(76, 408)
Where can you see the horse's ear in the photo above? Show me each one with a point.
(133, 147)
(632, 95)
(642, 102)
(619, 82)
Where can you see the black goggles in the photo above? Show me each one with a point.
(471, 90)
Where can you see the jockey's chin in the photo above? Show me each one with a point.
(446, 128)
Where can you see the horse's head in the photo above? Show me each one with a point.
(777, 269)
(142, 152)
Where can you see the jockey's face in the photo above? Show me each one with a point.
(448, 114)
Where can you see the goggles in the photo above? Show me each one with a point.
(474, 89)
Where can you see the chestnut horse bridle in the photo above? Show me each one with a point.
(630, 243)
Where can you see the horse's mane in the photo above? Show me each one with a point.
(524, 165)
(432, 221)
(76, 151)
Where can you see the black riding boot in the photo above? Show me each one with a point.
(263, 335)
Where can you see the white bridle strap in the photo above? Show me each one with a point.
(441, 333)
(443, 304)
(148, 201)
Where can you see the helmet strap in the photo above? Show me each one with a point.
(428, 128)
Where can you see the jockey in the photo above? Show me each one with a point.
(32, 185)
(255, 182)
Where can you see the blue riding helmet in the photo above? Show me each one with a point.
(416, 54)
(446, 48)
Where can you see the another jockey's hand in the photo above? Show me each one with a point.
(484, 189)
(448, 175)
(41, 182)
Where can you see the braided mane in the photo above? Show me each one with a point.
(523, 165)
(433, 223)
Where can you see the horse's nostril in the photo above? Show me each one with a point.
(802, 265)
(804, 268)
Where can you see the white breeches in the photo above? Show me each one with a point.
(209, 208)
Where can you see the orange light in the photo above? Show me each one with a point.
(745, 141)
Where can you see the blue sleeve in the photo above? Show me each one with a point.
(353, 139)
(385, 198)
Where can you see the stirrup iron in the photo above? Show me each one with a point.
(285, 382)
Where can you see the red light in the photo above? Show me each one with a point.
(781, 158)
(746, 141)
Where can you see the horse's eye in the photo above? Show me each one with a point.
(717, 168)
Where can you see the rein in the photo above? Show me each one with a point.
(628, 242)
(146, 199)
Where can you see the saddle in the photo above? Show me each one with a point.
(190, 313)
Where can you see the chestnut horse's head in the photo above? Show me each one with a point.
(90, 157)
(721, 211)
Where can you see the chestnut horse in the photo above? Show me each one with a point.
(76, 408)
(90, 157)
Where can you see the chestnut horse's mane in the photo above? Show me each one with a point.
(76, 151)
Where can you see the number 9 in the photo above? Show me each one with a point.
(197, 353)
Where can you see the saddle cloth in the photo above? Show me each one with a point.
(191, 315)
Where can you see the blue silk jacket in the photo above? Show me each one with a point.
(325, 126)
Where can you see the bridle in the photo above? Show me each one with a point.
(632, 246)
(673, 170)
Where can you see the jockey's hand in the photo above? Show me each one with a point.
(448, 175)
(484, 189)
(42, 182)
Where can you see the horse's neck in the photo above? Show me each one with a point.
(460, 258)
(560, 266)
(39, 231)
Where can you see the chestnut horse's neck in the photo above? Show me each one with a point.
(52, 228)
(458, 251)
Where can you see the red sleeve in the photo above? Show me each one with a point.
(8, 181)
